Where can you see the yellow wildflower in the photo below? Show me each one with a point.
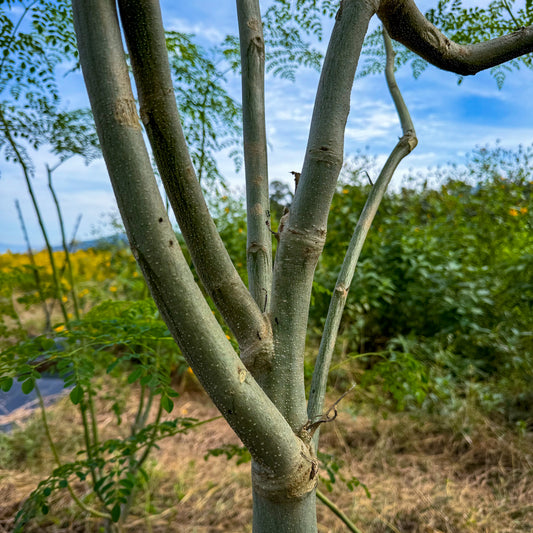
(523, 210)
(345, 191)
(59, 328)
(113, 288)
(64, 299)
(513, 212)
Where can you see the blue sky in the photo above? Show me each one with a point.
(450, 121)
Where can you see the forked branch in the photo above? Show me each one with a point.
(145, 37)
(188, 316)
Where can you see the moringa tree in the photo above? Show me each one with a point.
(260, 390)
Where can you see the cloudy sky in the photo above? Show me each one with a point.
(450, 121)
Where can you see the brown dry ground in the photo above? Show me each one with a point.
(424, 477)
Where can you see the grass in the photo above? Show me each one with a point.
(425, 475)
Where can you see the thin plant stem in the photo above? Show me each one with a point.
(137, 422)
(68, 263)
(37, 277)
(136, 465)
(92, 414)
(57, 459)
(15, 29)
(150, 445)
(70, 247)
(89, 450)
(332, 507)
(26, 173)
(510, 11)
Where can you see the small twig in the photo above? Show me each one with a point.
(311, 427)
(368, 177)
(332, 507)
(296, 179)
(281, 225)
(508, 8)
(37, 277)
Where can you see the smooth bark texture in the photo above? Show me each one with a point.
(298, 516)
(143, 28)
(259, 244)
(242, 402)
(303, 238)
(407, 25)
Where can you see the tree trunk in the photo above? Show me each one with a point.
(291, 516)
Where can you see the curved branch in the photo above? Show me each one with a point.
(145, 37)
(259, 245)
(404, 147)
(407, 25)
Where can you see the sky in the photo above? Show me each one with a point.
(450, 121)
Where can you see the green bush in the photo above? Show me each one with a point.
(448, 267)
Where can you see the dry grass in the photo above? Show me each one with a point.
(423, 477)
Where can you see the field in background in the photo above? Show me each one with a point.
(424, 475)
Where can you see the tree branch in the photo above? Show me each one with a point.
(405, 145)
(234, 391)
(145, 37)
(407, 25)
(259, 245)
(303, 238)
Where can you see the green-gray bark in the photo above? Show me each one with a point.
(248, 410)
(259, 244)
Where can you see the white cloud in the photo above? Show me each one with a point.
(208, 32)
